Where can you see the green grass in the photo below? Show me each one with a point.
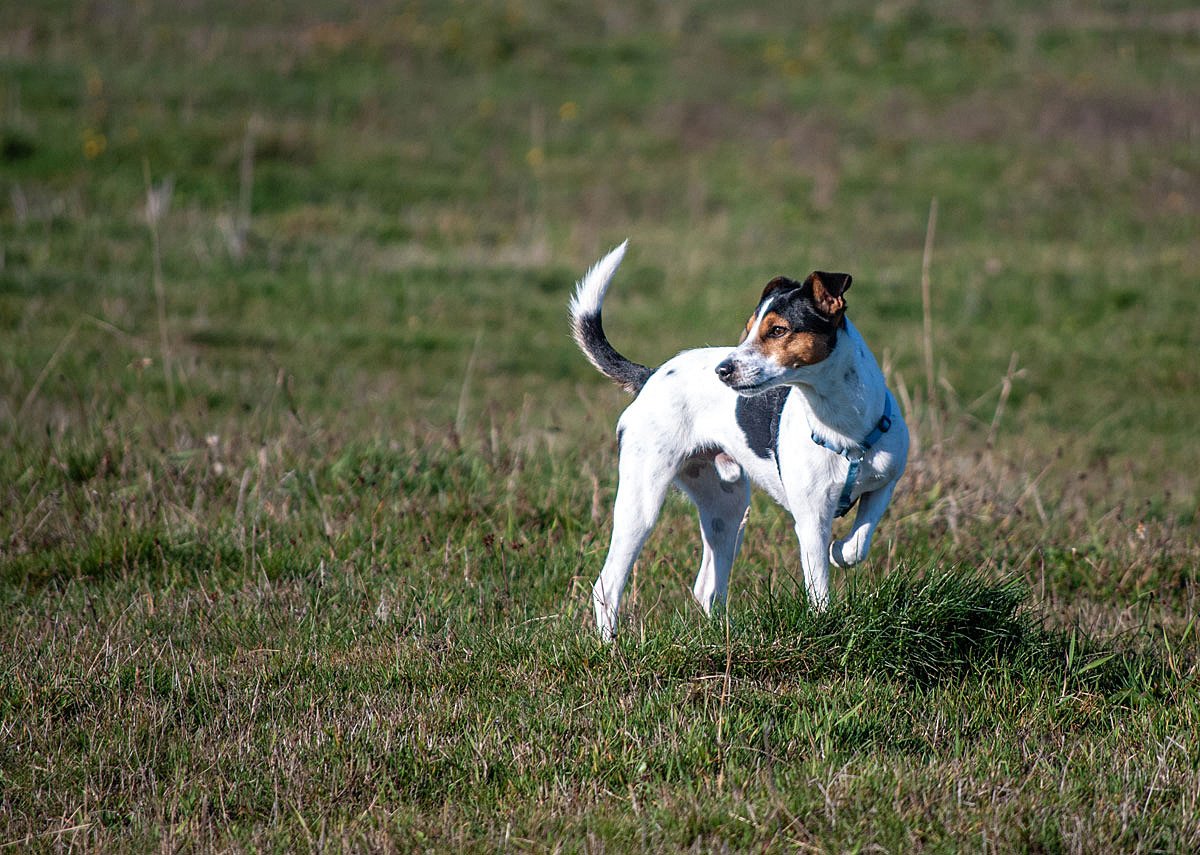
(306, 563)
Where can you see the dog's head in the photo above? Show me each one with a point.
(794, 326)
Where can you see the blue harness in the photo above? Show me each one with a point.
(855, 459)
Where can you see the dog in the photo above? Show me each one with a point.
(799, 407)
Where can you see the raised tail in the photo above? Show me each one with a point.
(589, 331)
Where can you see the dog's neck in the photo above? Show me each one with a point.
(845, 392)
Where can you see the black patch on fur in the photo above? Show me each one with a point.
(795, 304)
(758, 417)
(802, 314)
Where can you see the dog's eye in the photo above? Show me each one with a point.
(777, 332)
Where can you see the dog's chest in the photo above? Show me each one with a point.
(758, 419)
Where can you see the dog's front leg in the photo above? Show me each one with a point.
(814, 527)
(871, 506)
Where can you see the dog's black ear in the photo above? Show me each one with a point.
(828, 289)
(779, 283)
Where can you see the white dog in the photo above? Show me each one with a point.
(799, 407)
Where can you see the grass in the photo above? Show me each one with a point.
(298, 524)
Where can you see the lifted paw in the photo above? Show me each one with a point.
(846, 553)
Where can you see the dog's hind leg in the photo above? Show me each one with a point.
(642, 486)
(723, 505)
(853, 549)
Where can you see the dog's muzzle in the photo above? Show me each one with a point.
(726, 369)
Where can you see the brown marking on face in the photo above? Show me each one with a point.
(792, 348)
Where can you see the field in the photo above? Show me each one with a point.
(303, 485)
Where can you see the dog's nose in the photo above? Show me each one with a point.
(725, 369)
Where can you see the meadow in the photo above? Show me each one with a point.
(303, 484)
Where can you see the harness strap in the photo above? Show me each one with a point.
(855, 460)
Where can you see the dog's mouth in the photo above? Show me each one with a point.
(738, 383)
(748, 389)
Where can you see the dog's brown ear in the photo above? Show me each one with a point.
(779, 283)
(828, 289)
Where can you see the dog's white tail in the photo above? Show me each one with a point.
(588, 330)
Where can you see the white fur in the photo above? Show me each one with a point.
(682, 429)
(589, 294)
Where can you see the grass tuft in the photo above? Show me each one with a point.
(924, 628)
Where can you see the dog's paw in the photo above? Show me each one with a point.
(848, 552)
(606, 614)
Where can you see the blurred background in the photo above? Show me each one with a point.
(223, 220)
